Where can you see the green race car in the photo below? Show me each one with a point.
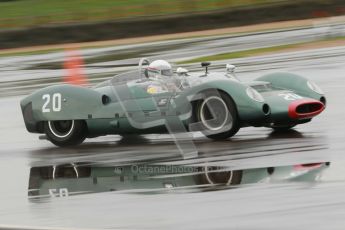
(154, 99)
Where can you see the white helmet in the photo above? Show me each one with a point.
(159, 68)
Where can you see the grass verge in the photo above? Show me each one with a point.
(27, 13)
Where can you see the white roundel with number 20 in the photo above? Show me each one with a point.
(51, 103)
(290, 96)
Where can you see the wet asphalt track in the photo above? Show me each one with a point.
(280, 205)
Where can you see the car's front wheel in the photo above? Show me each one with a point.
(66, 132)
(217, 116)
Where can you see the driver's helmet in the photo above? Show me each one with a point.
(159, 70)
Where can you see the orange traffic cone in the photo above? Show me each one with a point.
(73, 66)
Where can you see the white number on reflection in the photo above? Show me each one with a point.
(62, 192)
(52, 192)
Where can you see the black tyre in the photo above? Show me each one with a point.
(217, 116)
(66, 133)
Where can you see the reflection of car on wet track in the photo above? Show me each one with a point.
(81, 178)
(156, 100)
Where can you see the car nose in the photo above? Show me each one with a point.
(305, 108)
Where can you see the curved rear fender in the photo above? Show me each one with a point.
(293, 82)
(247, 108)
(62, 102)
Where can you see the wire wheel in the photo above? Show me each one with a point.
(217, 115)
(66, 132)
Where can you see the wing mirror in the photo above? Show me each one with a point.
(205, 64)
(230, 72)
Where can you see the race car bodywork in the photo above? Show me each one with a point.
(215, 103)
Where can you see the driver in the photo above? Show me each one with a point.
(160, 72)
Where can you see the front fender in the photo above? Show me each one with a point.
(247, 108)
(293, 82)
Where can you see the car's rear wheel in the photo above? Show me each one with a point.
(217, 116)
(66, 132)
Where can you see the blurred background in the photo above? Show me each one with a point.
(42, 40)
(37, 22)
